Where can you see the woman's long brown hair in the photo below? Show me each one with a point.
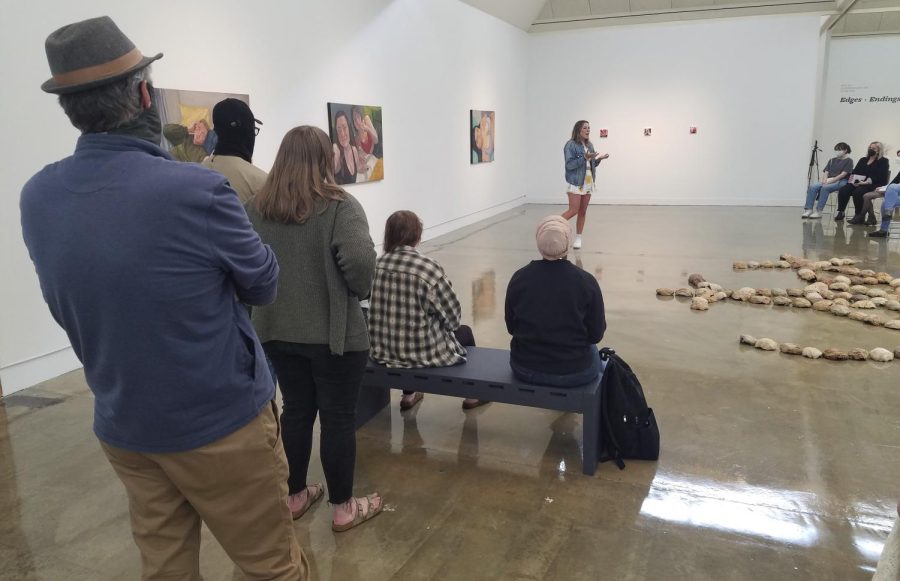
(576, 131)
(302, 179)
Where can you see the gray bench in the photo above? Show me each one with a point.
(486, 375)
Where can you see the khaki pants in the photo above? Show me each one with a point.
(236, 485)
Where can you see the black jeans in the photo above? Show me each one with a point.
(465, 337)
(313, 381)
(857, 193)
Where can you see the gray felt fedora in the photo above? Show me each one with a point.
(90, 53)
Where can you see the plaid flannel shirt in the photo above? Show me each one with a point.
(413, 312)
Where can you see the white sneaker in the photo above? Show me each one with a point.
(807, 214)
(815, 216)
(577, 244)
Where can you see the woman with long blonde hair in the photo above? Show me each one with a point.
(871, 172)
(315, 332)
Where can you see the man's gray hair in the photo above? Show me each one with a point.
(105, 107)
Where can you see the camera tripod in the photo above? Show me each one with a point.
(813, 161)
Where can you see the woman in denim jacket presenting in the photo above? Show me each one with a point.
(580, 156)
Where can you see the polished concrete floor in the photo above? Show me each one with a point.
(772, 467)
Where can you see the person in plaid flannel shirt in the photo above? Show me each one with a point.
(414, 315)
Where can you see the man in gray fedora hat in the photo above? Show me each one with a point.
(144, 262)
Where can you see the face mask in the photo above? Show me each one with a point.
(871, 152)
(839, 153)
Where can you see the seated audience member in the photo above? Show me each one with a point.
(554, 312)
(414, 315)
(233, 156)
(315, 331)
(889, 193)
(891, 202)
(870, 173)
(834, 177)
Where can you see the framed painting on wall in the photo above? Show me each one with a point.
(481, 135)
(186, 118)
(358, 143)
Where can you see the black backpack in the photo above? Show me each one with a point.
(627, 426)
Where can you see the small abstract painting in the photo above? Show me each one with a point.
(604, 133)
(358, 142)
(648, 131)
(481, 136)
(186, 117)
(693, 130)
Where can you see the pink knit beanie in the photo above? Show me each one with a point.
(553, 236)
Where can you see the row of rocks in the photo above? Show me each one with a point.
(870, 299)
(838, 298)
(806, 269)
(879, 354)
(753, 265)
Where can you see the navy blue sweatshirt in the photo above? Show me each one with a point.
(143, 261)
(554, 312)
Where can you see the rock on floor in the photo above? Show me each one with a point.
(835, 355)
(791, 349)
(767, 344)
(881, 354)
(839, 310)
(858, 354)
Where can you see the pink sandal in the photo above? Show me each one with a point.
(313, 494)
(360, 518)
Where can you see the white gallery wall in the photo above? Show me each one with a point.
(748, 85)
(859, 70)
(425, 62)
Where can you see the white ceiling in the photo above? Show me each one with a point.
(870, 17)
(562, 14)
(519, 13)
(864, 16)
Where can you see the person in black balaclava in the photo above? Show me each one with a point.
(236, 127)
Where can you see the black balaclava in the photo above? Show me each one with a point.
(234, 124)
(146, 125)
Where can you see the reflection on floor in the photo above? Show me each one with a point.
(772, 467)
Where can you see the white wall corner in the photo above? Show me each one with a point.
(18, 376)
(436, 230)
(649, 201)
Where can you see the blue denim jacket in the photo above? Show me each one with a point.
(575, 163)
